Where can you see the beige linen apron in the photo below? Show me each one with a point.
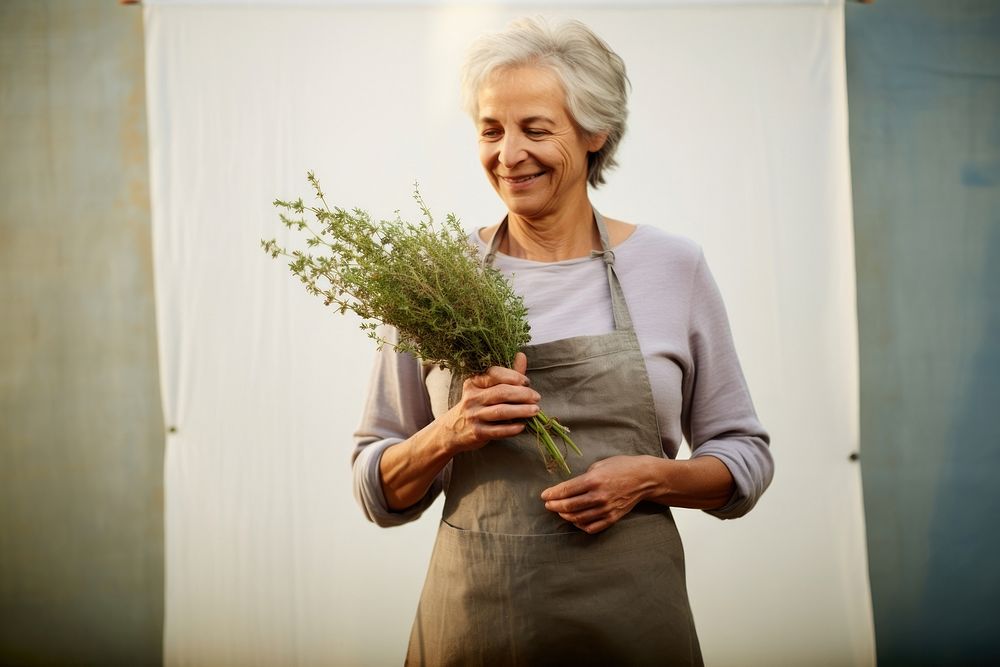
(511, 583)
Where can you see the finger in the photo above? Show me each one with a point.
(505, 393)
(521, 363)
(574, 504)
(508, 412)
(586, 516)
(484, 432)
(498, 431)
(571, 487)
(495, 375)
(595, 527)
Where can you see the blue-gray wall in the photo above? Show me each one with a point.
(81, 440)
(924, 95)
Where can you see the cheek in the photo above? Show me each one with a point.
(487, 155)
(567, 157)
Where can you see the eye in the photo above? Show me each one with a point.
(534, 132)
(491, 133)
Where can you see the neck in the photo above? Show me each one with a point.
(566, 234)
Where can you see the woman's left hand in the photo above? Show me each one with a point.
(598, 498)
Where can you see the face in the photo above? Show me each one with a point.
(534, 154)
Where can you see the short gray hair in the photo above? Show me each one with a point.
(592, 75)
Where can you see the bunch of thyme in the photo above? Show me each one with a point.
(423, 279)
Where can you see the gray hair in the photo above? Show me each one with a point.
(592, 75)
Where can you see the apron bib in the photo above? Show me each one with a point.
(511, 583)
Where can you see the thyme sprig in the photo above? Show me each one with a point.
(424, 279)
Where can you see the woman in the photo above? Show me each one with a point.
(630, 348)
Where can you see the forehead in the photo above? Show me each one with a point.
(522, 92)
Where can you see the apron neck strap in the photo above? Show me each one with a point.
(623, 319)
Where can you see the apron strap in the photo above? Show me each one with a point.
(623, 319)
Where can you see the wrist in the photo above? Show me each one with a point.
(438, 443)
(658, 480)
(654, 482)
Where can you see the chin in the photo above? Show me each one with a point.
(524, 209)
(526, 206)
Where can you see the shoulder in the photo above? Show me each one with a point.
(476, 240)
(667, 274)
(482, 235)
(651, 247)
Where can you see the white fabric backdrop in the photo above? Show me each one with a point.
(737, 139)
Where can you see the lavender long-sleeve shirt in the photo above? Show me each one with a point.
(680, 319)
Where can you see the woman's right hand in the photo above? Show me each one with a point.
(489, 406)
(489, 401)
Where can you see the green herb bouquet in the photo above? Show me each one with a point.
(423, 279)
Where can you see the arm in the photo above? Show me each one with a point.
(489, 402)
(718, 417)
(610, 489)
(397, 406)
(731, 464)
(401, 450)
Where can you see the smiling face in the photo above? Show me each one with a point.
(533, 152)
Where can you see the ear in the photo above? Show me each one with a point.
(596, 142)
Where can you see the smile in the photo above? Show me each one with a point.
(521, 180)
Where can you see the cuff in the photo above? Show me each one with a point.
(751, 474)
(368, 488)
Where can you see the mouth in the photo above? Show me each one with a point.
(521, 180)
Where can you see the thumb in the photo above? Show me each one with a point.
(521, 363)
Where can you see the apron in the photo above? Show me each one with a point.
(511, 583)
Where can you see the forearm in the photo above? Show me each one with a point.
(408, 468)
(611, 487)
(703, 483)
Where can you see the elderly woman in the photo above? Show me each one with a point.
(630, 347)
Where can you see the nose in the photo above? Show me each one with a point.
(511, 149)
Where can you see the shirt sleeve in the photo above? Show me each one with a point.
(397, 407)
(718, 417)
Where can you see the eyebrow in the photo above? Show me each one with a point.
(530, 120)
